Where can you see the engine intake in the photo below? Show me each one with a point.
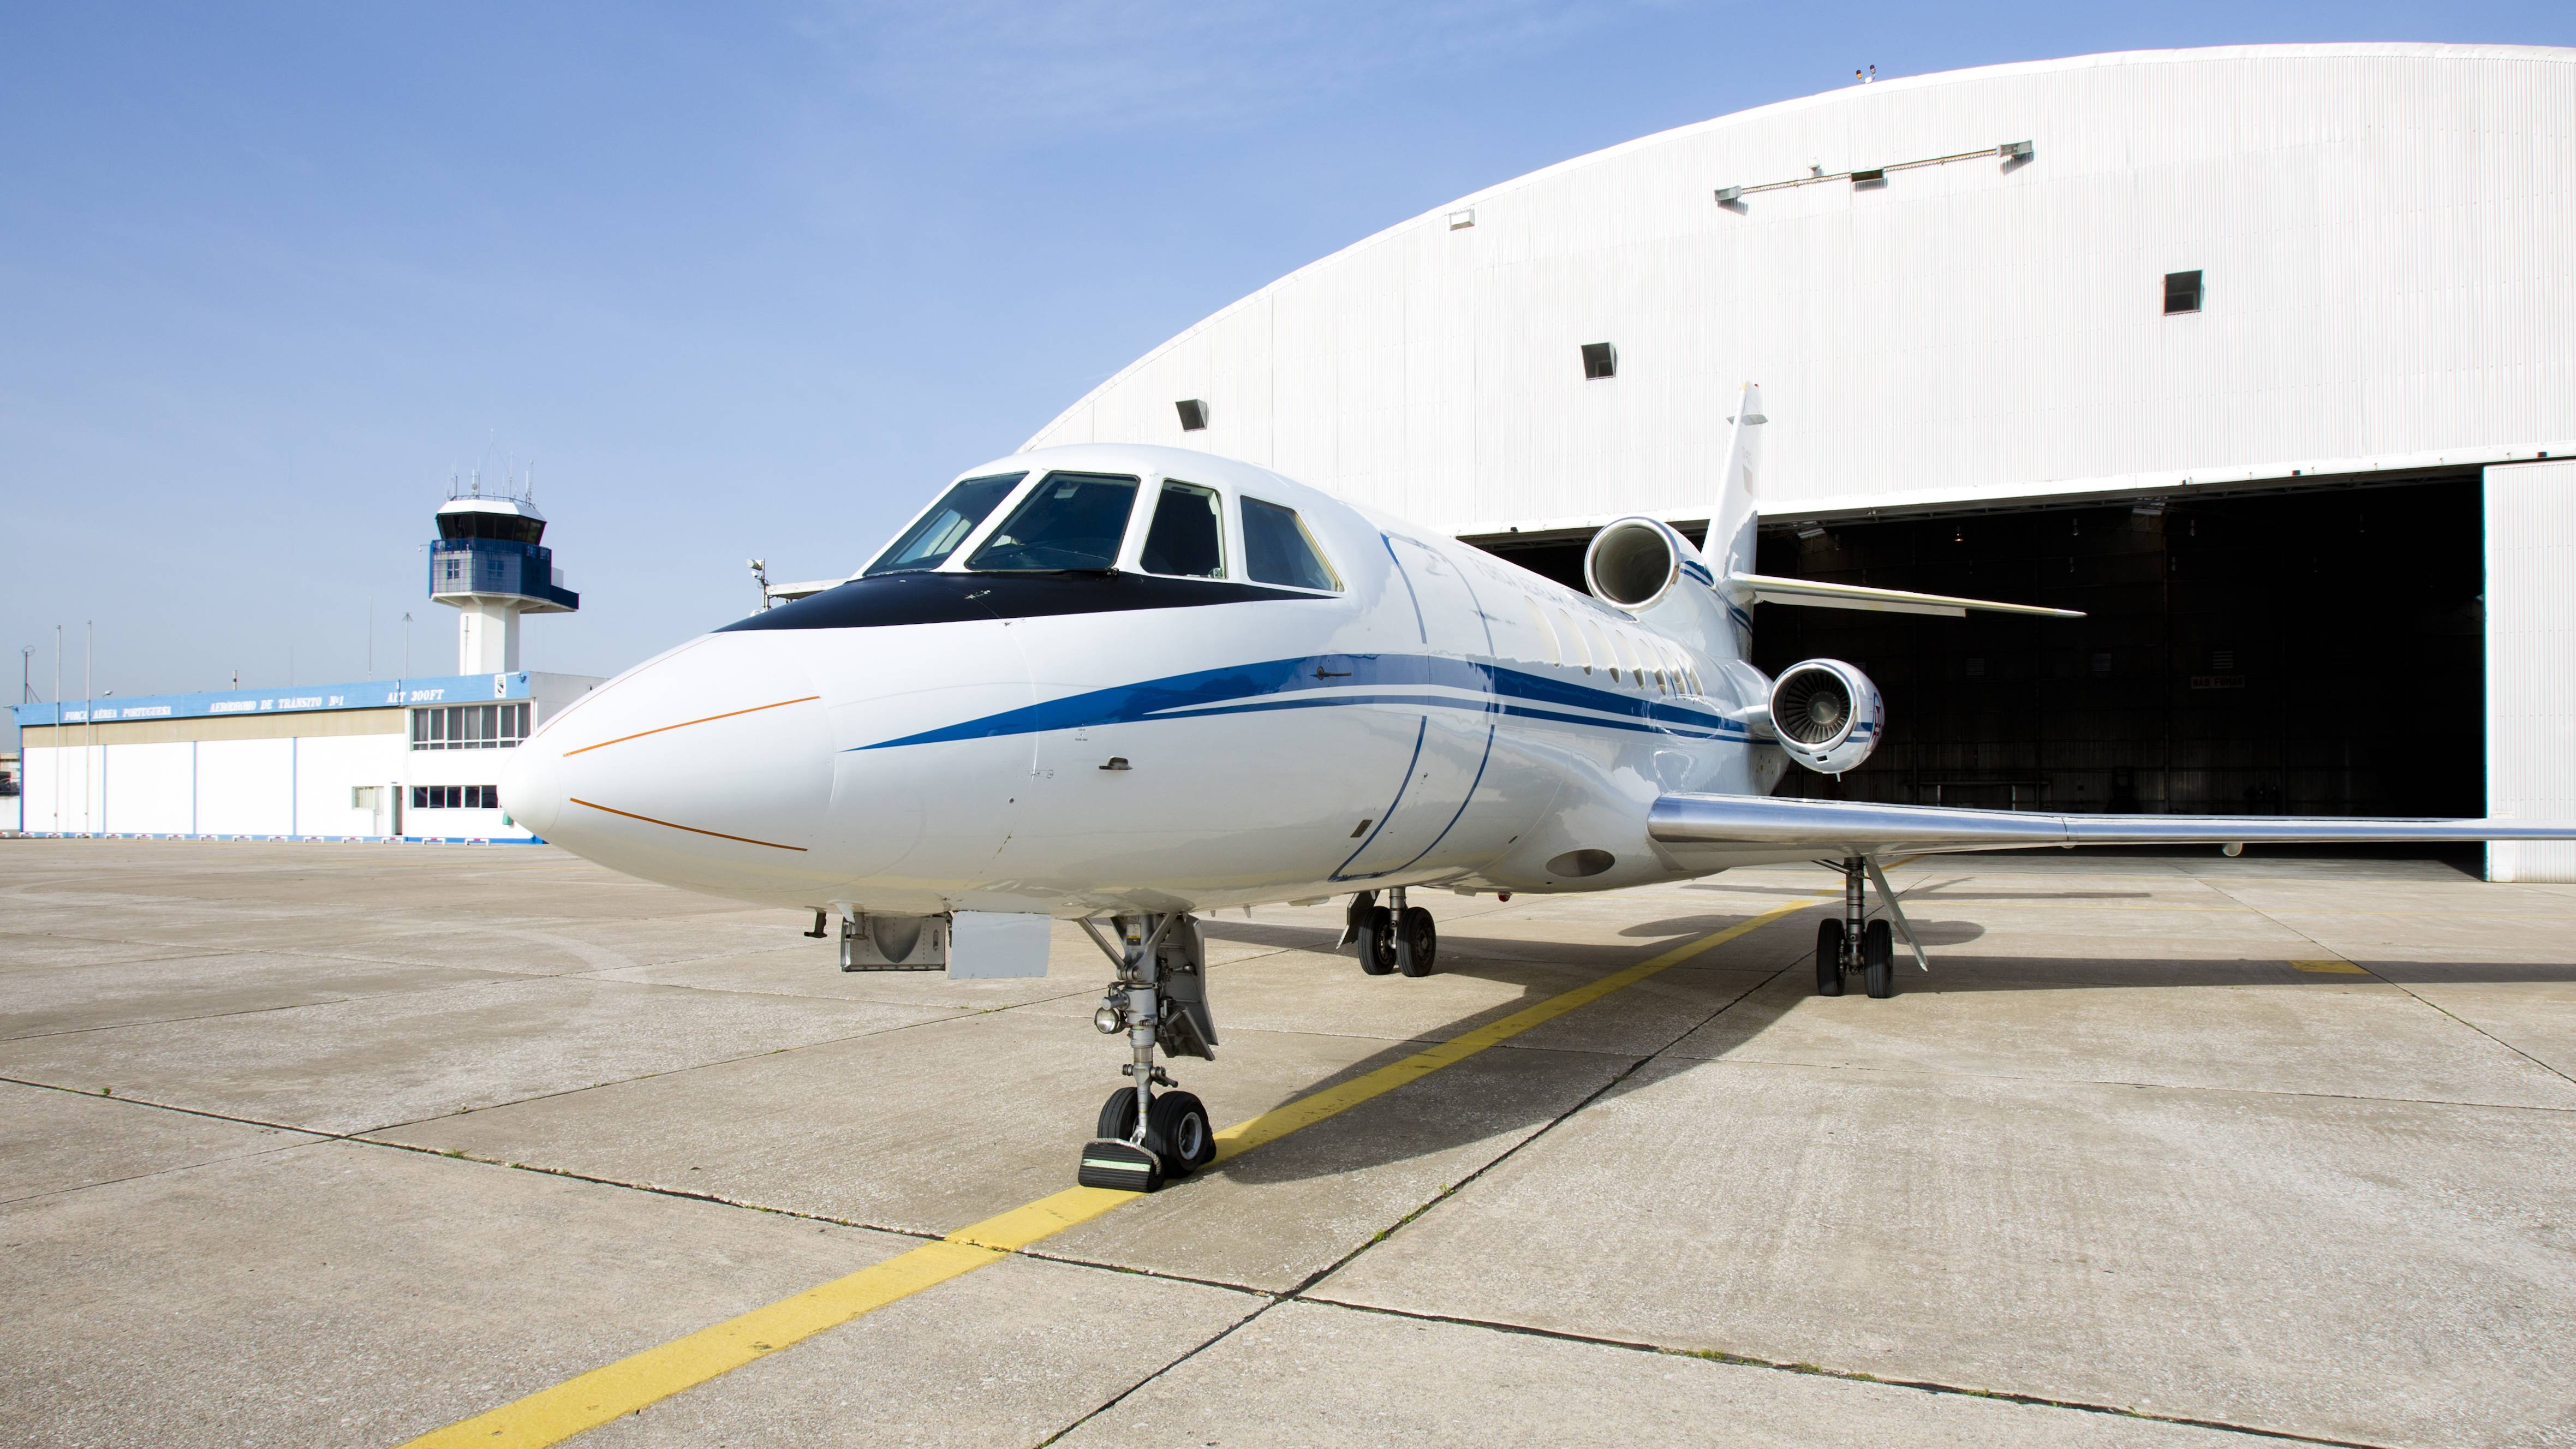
(1827, 715)
(1633, 562)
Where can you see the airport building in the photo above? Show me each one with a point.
(2264, 357)
(403, 759)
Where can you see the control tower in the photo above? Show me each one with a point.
(488, 564)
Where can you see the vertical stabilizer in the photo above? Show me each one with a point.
(1731, 527)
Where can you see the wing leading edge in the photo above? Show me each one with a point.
(1851, 828)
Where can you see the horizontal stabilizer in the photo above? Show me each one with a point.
(1847, 828)
(1766, 589)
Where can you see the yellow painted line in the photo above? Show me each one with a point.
(2328, 968)
(550, 1416)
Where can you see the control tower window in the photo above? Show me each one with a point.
(506, 527)
(929, 542)
(1069, 521)
(1277, 549)
(1188, 533)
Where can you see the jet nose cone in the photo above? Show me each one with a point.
(532, 787)
(710, 768)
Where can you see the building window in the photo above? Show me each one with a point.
(2182, 292)
(1600, 360)
(456, 797)
(469, 727)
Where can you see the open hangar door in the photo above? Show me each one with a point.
(2315, 651)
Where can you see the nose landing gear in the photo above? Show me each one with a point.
(1159, 1000)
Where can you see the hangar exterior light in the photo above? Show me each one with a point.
(1194, 414)
(1600, 360)
(2014, 150)
(1461, 220)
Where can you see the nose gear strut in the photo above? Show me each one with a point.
(1159, 1000)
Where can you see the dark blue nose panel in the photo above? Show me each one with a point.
(947, 598)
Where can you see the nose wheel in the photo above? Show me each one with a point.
(1145, 1138)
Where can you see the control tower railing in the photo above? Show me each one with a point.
(498, 568)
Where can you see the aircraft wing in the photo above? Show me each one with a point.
(1844, 828)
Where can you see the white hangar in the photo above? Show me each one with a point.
(2263, 356)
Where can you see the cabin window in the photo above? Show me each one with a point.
(1599, 647)
(1070, 521)
(1546, 635)
(1574, 642)
(1277, 549)
(1621, 659)
(929, 542)
(1188, 533)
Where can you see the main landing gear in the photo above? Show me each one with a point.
(1146, 1138)
(1855, 943)
(1393, 937)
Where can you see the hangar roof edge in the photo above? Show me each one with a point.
(2318, 50)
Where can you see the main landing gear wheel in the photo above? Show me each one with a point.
(1878, 959)
(1377, 943)
(1417, 942)
(1829, 958)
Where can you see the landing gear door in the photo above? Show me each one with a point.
(1454, 723)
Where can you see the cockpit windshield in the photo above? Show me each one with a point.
(1069, 521)
(927, 544)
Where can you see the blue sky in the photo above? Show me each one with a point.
(739, 280)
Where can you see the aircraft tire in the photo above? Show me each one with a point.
(1829, 958)
(1878, 960)
(1179, 1133)
(1377, 942)
(1118, 1115)
(1418, 942)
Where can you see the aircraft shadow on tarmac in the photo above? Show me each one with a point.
(1346, 1144)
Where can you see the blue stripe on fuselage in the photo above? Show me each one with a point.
(1373, 679)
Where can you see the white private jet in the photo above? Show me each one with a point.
(1126, 683)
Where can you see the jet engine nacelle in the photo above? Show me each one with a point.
(1827, 715)
(1635, 562)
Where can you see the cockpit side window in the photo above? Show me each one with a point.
(1277, 549)
(1188, 536)
(928, 543)
(1071, 521)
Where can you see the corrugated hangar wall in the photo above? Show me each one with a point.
(2387, 236)
(1973, 381)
